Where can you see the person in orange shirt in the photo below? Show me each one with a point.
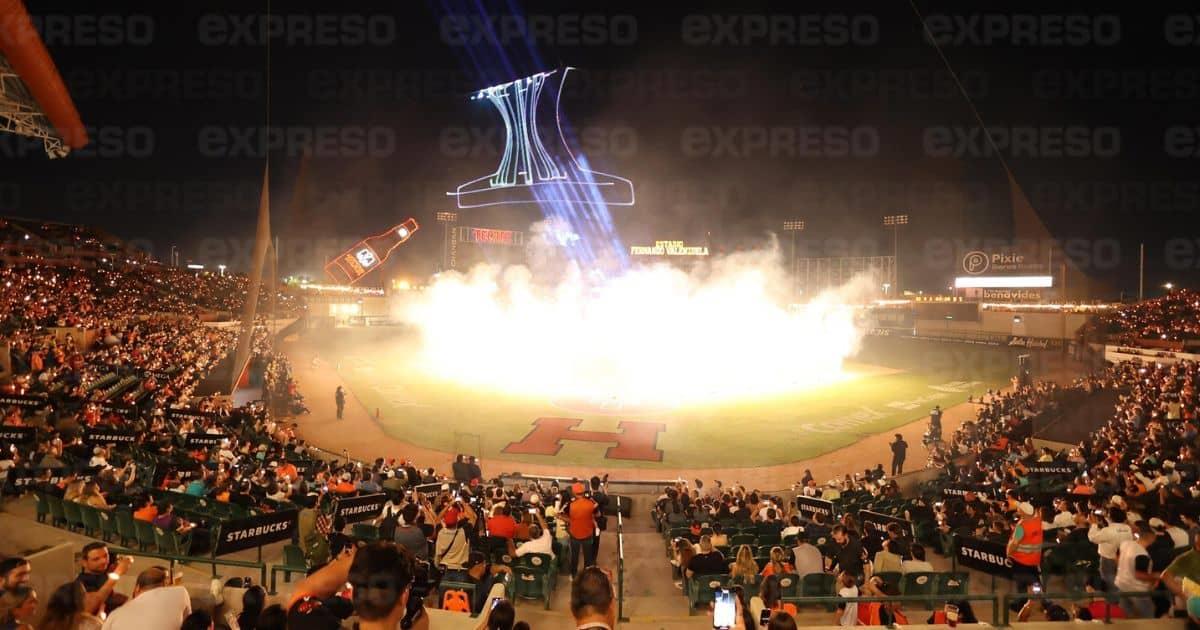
(581, 524)
(148, 512)
(343, 485)
(288, 470)
(777, 565)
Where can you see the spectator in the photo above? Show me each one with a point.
(540, 539)
(17, 606)
(501, 523)
(65, 610)
(1134, 573)
(253, 602)
(848, 556)
(1185, 567)
(708, 562)
(886, 560)
(99, 576)
(744, 570)
(1096, 587)
(581, 524)
(502, 616)
(776, 564)
(408, 532)
(781, 620)
(452, 548)
(148, 512)
(772, 596)
(14, 571)
(847, 612)
(807, 558)
(719, 537)
(918, 563)
(593, 601)
(198, 620)
(157, 604)
(339, 398)
(1108, 538)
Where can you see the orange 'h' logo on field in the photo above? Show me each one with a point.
(635, 440)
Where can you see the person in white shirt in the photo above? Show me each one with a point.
(156, 604)
(1108, 539)
(1063, 518)
(917, 564)
(98, 458)
(540, 540)
(847, 613)
(1179, 536)
(1134, 573)
(793, 527)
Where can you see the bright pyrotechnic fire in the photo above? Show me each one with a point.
(655, 336)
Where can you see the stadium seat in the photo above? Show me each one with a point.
(172, 542)
(743, 539)
(700, 589)
(293, 562)
(460, 603)
(364, 531)
(496, 548)
(953, 583)
(789, 584)
(920, 583)
(145, 534)
(43, 506)
(91, 519)
(895, 578)
(535, 576)
(818, 585)
(108, 525)
(74, 515)
(125, 527)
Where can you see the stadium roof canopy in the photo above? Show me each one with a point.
(33, 98)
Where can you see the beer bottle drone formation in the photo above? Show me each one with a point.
(353, 264)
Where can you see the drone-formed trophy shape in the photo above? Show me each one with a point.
(533, 171)
(368, 254)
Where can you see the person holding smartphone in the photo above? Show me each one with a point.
(540, 538)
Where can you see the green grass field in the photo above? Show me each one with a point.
(746, 434)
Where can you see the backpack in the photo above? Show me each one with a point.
(391, 520)
(316, 549)
(455, 599)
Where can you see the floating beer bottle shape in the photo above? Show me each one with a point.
(368, 254)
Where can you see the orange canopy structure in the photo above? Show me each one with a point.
(33, 99)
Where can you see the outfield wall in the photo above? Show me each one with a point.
(995, 322)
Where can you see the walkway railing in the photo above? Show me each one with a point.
(215, 562)
(621, 568)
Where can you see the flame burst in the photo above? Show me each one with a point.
(656, 337)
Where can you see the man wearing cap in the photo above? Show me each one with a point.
(581, 525)
(1025, 549)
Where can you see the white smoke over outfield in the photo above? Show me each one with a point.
(656, 336)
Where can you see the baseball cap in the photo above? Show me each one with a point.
(1025, 508)
(577, 489)
(1117, 500)
(1157, 523)
(451, 516)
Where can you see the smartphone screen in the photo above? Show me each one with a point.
(724, 612)
(495, 601)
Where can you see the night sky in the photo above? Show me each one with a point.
(728, 121)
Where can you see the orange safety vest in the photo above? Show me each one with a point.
(1028, 550)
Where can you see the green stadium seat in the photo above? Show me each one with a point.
(789, 584)
(535, 577)
(364, 531)
(91, 519)
(818, 585)
(145, 534)
(701, 588)
(43, 506)
(74, 515)
(920, 583)
(743, 539)
(171, 542)
(953, 583)
(108, 525)
(293, 562)
(125, 527)
(895, 578)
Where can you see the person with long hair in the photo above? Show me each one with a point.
(253, 602)
(772, 596)
(778, 564)
(502, 617)
(745, 569)
(17, 606)
(64, 610)
(684, 552)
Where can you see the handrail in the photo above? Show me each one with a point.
(210, 560)
(620, 568)
(1111, 597)
(928, 598)
(518, 476)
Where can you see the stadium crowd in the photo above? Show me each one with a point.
(1128, 502)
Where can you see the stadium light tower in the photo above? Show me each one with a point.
(447, 219)
(894, 221)
(793, 226)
